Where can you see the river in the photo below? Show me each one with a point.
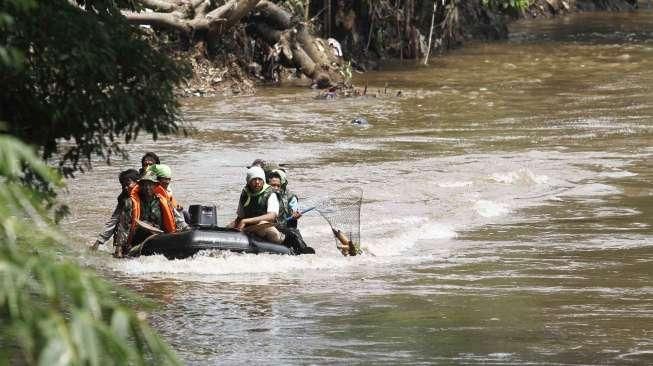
(506, 215)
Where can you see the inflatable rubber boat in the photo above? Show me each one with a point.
(187, 243)
(204, 235)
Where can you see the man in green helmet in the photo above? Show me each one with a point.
(163, 175)
(146, 203)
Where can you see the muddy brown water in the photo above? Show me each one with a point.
(507, 211)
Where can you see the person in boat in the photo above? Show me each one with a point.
(163, 175)
(258, 208)
(147, 160)
(257, 162)
(288, 212)
(288, 201)
(267, 167)
(128, 180)
(148, 204)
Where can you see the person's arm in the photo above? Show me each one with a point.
(180, 223)
(293, 204)
(273, 205)
(109, 228)
(121, 236)
(239, 215)
(175, 203)
(269, 216)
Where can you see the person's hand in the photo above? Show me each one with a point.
(95, 245)
(296, 215)
(240, 225)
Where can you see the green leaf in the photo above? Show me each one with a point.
(85, 338)
(120, 323)
(58, 350)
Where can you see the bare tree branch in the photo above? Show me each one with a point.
(196, 3)
(160, 5)
(231, 13)
(306, 41)
(165, 20)
(202, 21)
(202, 8)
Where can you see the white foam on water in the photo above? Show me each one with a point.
(227, 263)
(593, 189)
(521, 176)
(617, 174)
(454, 184)
(488, 208)
(254, 268)
(635, 355)
(411, 230)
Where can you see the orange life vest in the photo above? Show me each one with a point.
(168, 217)
(163, 192)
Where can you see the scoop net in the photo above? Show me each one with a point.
(342, 210)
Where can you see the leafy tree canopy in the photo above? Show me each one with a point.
(88, 79)
(51, 311)
(83, 76)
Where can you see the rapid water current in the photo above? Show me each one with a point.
(507, 211)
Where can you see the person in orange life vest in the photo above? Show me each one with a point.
(148, 205)
(128, 180)
(163, 175)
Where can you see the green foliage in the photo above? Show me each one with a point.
(11, 57)
(88, 80)
(507, 4)
(51, 311)
(346, 72)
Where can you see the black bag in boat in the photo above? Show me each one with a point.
(203, 216)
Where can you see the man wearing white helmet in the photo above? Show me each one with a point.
(258, 207)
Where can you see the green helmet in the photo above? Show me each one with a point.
(148, 176)
(160, 170)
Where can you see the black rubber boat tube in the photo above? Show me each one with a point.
(187, 243)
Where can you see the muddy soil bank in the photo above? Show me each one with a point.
(370, 35)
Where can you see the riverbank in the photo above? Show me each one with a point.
(550, 8)
(370, 36)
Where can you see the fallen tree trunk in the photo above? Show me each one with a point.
(203, 21)
(295, 46)
(188, 16)
(273, 15)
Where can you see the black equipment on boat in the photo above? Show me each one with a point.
(203, 216)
